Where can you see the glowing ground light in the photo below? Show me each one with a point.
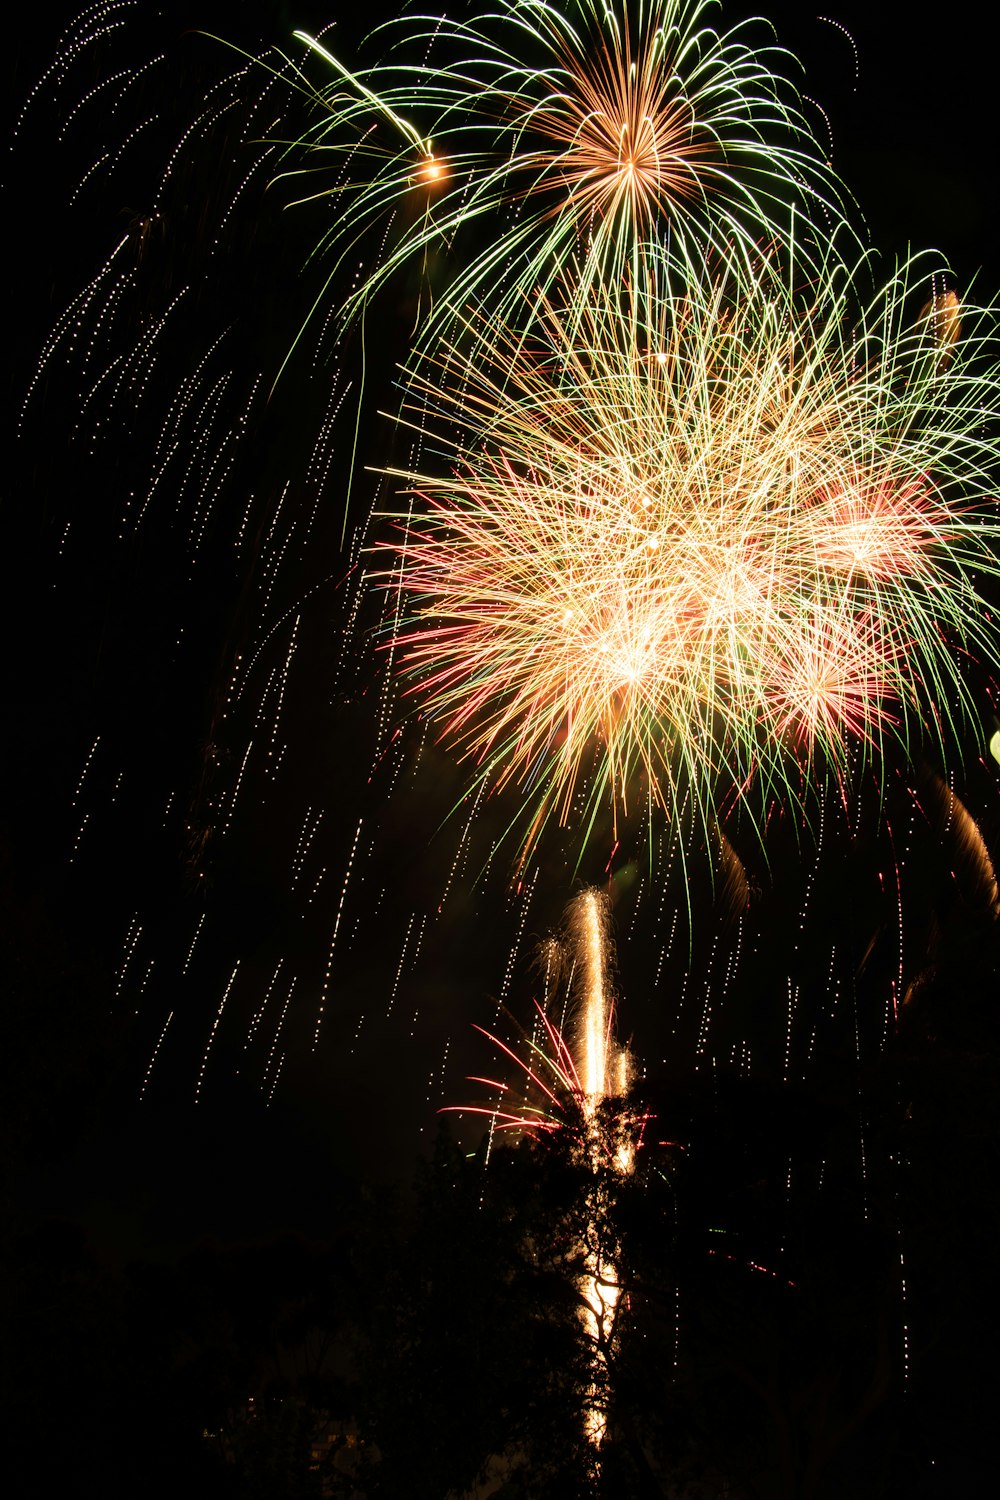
(572, 1074)
(605, 1072)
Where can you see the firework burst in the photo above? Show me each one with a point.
(548, 134)
(703, 543)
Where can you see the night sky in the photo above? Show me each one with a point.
(170, 847)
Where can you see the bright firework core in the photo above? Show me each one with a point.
(620, 136)
(701, 542)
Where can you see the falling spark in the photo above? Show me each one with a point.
(152, 1060)
(211, 1035)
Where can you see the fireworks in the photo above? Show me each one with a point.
(574, 1069)
(698, 535)
(582, 1083)
(686, 525)
(698, 544)
(539, 134)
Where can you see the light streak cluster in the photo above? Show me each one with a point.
(513, 143)
(700, 544)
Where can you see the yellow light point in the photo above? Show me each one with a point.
(995, 745)
(433, 169)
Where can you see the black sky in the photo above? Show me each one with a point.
(116, 638)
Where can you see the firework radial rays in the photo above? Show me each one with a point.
(702, 543)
